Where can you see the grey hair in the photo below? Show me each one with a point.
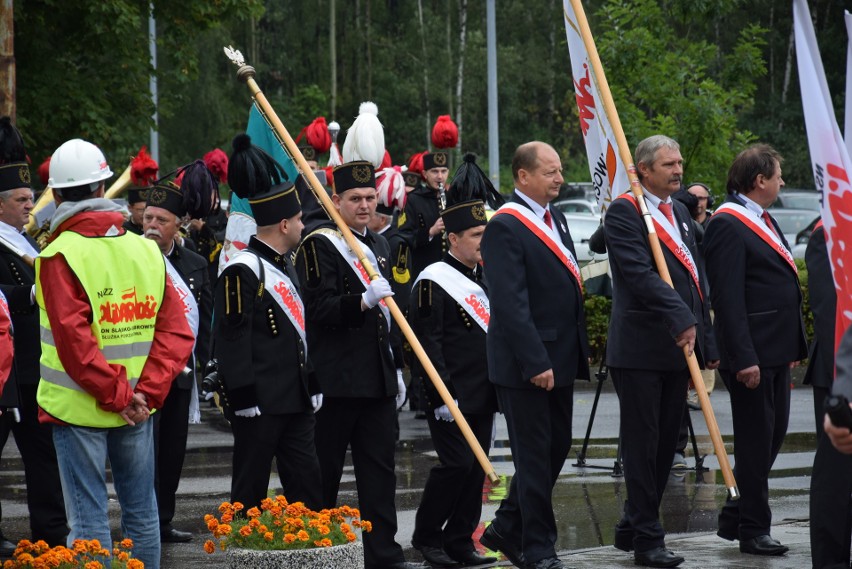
(646, 151)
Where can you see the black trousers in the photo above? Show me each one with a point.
(367, 425)
(539, 424)
(257, 440)
(41, 471)
(830, 507)
(171, 428)
(451, 505)
(760, 419)
(652, 404)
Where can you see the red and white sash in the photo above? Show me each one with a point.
(354, 263)
(757, 225)
(280, 287)
(4, 306)
(547, 235)
(190, 310)
(671, 238)
(464, 291)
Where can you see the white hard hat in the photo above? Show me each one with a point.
(77, 163)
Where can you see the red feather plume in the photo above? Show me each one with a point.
(44, 171)
(415, 163)
(386, 161)
(318, 136)
(143, 168)
(217, 162)
(445, 133)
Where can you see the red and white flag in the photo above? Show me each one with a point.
(830, 160)
(607, 171)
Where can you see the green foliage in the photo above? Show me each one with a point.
(806, 299)
(598, 310)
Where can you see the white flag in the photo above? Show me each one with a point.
(830, 161)
(607, 171)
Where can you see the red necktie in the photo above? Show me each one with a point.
(768, 221)
(666, 208)
(547, 218)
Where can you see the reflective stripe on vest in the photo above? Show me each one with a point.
(124, 280)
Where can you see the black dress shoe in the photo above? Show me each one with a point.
(171, 535)
(7, 548)
(763, 545)
(435, 556)
(403, 565)
(657, 557)
(623, 536)
(496, 542)
(471, 558)
(549, 563)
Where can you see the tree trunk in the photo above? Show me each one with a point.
(460, 74)
(788, 70)
(425, 71)
(369, 55)
(7, 60)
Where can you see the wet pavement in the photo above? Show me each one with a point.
(587, 500)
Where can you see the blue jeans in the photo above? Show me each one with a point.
(82, 453)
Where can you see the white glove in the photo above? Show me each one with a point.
(207, 395)
(16, 414)
(400, 385)
(442, 413)
(250, 412)
(316, 402)
(378, 289)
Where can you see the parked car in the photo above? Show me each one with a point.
(797, 199)
(792, 222)
(582, 226)
(802, 238)
(578, 206)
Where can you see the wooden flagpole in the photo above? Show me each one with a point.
(246, 73)
(654, 241)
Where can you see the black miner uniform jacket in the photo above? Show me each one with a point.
(193, 268)
(422, 210)
(454, 342)
(350, 348)
(25, 371)
(262, 360)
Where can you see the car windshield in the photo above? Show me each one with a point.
(582, 229)
(798, 200)
(793, 221)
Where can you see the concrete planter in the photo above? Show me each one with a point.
(348, 556)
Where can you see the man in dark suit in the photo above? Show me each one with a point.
(831, 477)
(161, 222)
(651, 323)
(349, 334)
(537, 347)
(757, 300)
(20, 410)
(449, 314)
(136, 198)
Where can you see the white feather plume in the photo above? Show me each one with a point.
(365, 139)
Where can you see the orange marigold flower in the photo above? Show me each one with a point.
(123, 556)
(212, 524)
(268, 536)
(209, 546)
(238, 506)
(324, 530)
(325, 542)
(135, 564)
(254, 523)
(351, 536)
(9, 564)
(302, 535)
(94, 565)
(289, 538)
(126, 543)
(253, 513)
(25, 558)
(224, 529)
(245, 531)
(266, 503)
(227, 517)
(344, 527)
(366, 526)
(225, 507)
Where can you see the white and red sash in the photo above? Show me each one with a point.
(464, 291)
(354, 263)
(547, 235)
(190, 310)
(280, 287)
(757, 225)
(4, 306)
(671, 238)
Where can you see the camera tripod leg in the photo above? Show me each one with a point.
(601, 377)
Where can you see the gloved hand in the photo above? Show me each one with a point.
(250, 412)
(442, 413)
(400, 385)
(16, 414)
(316, 402)
(378, 289)
(207, 395)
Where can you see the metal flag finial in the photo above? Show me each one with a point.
(235, 56)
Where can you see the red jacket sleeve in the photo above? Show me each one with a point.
(170, 351)
(70, 315)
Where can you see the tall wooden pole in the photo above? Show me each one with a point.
(654, 241)
(7, 60)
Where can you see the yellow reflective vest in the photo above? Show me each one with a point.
(124, 305)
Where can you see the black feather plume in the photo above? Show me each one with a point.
(471, 183)
(200, 189)
(251, 171)
(12, 148)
